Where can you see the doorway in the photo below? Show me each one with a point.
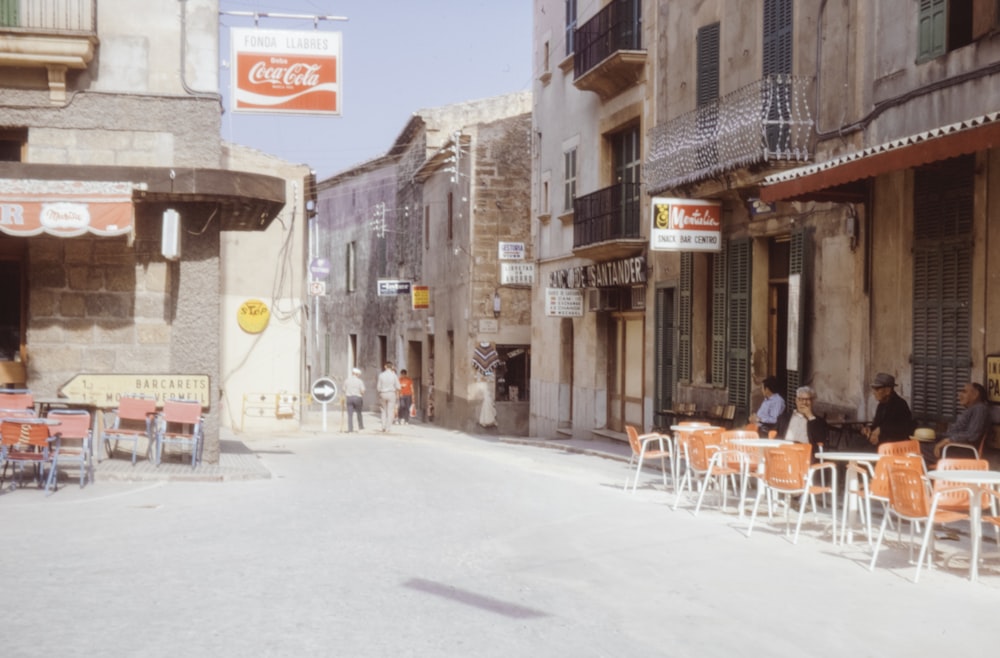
(13, 314)
(626, 335)
(777, 309)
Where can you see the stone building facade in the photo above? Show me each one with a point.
(94, 112)
(430, 214)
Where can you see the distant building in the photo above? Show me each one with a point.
(427, 220)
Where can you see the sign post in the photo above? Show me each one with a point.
(324, 390)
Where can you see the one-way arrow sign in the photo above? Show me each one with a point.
(324, 390)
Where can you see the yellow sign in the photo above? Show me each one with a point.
(421, 297)
(253, 316)
(993, 377)
(105, 390)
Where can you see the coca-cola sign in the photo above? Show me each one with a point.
(685, 225)
(283, 71)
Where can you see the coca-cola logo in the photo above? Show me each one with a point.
(278, 72)
(64, 216)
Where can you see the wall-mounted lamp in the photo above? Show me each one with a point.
(496, 303)
(170, 245)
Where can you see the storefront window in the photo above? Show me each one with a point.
(513, 373)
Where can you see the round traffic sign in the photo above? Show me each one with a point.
(324, 390)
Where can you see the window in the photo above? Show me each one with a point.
(427, 227)
(708, 64)
(570, 26)
(946, 25)
(626, 162)
(513, 373)
(545, 57)
(13, 141)
(8, 13)
(777, 56)
(350, 264)
(569, 176)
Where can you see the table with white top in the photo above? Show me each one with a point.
(685, 428)
(763, 445)
(980, 479)
(852, 459)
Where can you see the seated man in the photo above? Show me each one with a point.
(770, 409)
(893, 420)
(803, 425)
(970, 426)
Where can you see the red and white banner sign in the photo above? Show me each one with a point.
(65, 208)
(686, 225)
(286, 72)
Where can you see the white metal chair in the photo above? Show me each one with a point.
(180, 424)
(640, 444)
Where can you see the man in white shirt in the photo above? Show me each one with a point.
(388, 387)
(804, 426)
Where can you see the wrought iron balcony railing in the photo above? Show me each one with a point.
(616, 27)
(49, 15)
(609, 214)
(768, 120)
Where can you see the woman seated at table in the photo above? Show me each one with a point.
(803, 425)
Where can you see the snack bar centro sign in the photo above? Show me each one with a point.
(686, 225)
(286, 72)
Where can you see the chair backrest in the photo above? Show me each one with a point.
(729, 435)
(804, 451)
(900, 448)
(16, 399)
(136, 408)
(633, 439)
(958, 499)
(73, 423)
(16, 413)
(879, 486)
(908, 495)
(700, 448)
(784, 468)
(187, 412)
(13, 433)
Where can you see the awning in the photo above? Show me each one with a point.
(830, 180)
(65, 208)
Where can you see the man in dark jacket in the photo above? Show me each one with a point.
(893, 420)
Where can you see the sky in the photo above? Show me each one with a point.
(399, 56)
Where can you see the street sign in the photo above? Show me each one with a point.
(319, 267)
(390, 287)
(104, 390)
(324, 390)
(317, 288)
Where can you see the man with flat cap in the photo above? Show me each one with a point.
(893, 420)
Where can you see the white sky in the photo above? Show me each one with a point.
(399, 56)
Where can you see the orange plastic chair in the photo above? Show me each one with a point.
(22, 443)
(900, 448)
(910, 500)
(134, 421)
(16, 398)
(640, 450)
(74, 440)
(180, 424)
(952, 497)
(977, 448)
(875, 485)
(788, 471)
(704, 465)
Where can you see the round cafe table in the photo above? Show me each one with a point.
(852, 459)
(681, 430)
(980, 479)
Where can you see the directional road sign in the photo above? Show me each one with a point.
(324, 390)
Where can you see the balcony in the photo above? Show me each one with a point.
(56, 35)
(609, 57)
(606, 223)
(766, 121)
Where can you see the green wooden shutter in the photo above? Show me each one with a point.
(777, 50)
(719, 317)
(708, 64)
(684, 317)
(942, 285)
(8, 13)
(738, 362)
(932, 29)
(664, 349)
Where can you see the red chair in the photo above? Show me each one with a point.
(27, 441)
(133, 421)
(180, 424)
(75, 440)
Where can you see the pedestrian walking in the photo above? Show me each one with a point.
(354, 392)
(405, 397)
(387, 386)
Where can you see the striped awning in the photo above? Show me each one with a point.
(65, 208)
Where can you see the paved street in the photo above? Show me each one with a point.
(427, 542)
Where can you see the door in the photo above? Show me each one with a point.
(13, 314)
(625, 371)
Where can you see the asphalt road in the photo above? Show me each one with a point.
(433, 543)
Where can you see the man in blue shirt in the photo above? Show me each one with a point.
(971, 425)
(770, 409)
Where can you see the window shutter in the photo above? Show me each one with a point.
(942, 285)
(719, 318)
(738, 362)
(799, 309)
(933, 29)
(664, 384)
(684, 317)
(708, 64)
(777, 37)
(8, 13)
